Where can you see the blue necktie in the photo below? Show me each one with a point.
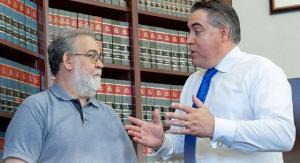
(190, 141)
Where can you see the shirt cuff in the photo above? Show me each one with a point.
(164, 151)
(223, 133)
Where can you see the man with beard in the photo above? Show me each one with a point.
(65, 123)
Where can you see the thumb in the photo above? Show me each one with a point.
(156, 117)
(198, 102)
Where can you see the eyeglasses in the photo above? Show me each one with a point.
(94, 56)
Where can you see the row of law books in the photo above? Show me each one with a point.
(111, 35)
(17, 82)
(160, 48)
(166, 49)
(113, 2)
(118, 94)
(178, 8)
(150, 158)
(158, 96)
(18, 23)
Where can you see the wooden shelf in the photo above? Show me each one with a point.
(167, 72)
(92, 8)
(6, 115)
(163, 76)
(114, 66)
(164, 21)
(19, 54)
(99, 4)
(8, 47)
(113, 71)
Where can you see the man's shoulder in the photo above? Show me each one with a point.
(196, 74)
(108, 111)
(258, 67)
(36, 102)
(101, 104)
(257, 59)
(37, 97)
(104, 106)
(33, 106)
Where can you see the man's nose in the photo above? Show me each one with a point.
(99, 64)
(189, 39)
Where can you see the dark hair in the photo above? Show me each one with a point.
(221, 14)
(63, 42)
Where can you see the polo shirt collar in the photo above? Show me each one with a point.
(229, 60)
(94, 102)
(60, 93)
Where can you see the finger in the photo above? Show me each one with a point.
(136, 121)
(176, 123)
(156, 117)
(132, 128)
(166, 117)
(178, 116)
(134, 134)
(138, 140)
(182, 107)
(198, 102)
(180, 131)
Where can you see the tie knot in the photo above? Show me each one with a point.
(212, 70)
(210, 73)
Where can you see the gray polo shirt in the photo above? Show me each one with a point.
(49, 128)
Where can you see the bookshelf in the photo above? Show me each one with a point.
(133, 72)
(9, 47)
(22, 59)
(23, 53)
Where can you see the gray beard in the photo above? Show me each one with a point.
(85, 84)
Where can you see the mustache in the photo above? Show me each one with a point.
(98, 72)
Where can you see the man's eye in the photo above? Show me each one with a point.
(93, 55)
(198, 32)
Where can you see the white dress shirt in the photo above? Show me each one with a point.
(251, 101)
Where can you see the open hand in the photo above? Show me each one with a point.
(150, 134)
(197, 121)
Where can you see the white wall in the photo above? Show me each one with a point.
(276, 37)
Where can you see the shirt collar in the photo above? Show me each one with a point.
(60, 93)
(229, 60)
(94, 102)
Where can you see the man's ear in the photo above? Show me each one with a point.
(67, 62)
(225, 33)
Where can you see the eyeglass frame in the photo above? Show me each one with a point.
(94, 58)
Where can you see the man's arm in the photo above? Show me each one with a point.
(273, 127)
(24, 135)
(13, 160)
(270, 129)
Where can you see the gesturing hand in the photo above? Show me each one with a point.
(150, 134)
(198, 122)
